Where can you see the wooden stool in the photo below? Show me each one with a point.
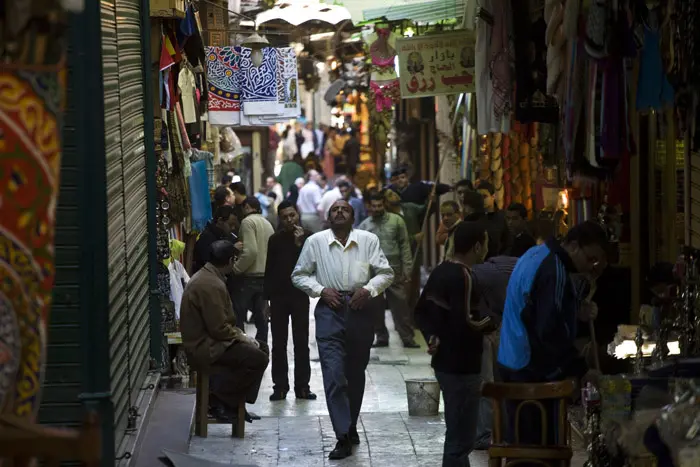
(530, 394)
(201, 412)
(21, 440)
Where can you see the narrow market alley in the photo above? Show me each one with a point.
(299, 433)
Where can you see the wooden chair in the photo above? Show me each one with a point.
(202, 419)
(525, 394)
(21, 441)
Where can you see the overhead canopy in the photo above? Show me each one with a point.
(297, 12)
(420, 12)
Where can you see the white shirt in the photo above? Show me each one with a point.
(178, 276)
(309, 198)
(325, 262)
(329, 197)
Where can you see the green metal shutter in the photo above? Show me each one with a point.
(126, 206)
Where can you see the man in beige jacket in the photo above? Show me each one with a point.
(210, 336)
(250, 267)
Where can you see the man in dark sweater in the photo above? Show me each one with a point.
(520, 238)
(498, 230)
(454, 332)
(221, 227)
(416, 192)
(541, 311)
(287, 301)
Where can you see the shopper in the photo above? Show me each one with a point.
(520, 238)
(451, 217)
(498, 230)
(416, 192)
(239, 196)
(210, 336)
(250, 266)
(454, 332)
(286, 301)
(308, 203)
(348, 193)
(351, 152)
(396, 245)
(541, 313)
(345, 268)
(221, 227)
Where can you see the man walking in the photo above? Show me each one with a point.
(210, 335)
(250, 266)
(393, 237)
(308, 202)
(337, 265)
(287, 301)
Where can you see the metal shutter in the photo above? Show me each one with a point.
(126, 205)
(695, 200)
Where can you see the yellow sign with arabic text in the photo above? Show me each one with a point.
(436, 64)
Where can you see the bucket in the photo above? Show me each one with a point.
(423, 397)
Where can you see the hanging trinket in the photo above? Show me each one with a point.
(639, 357)
(596, 449)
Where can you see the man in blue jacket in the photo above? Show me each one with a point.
(542, 308)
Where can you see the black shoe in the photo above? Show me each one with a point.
(354, 436)
(250, 416)
(343, 449)
(381, 344)
(411, 344)
(278, 395)
(220, 414)
(306, 395)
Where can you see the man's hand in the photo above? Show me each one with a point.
(433, 345)
(298, 235)
(331, 297)
(588, 311)
(238, 246)
(419, 236)
(252, 341)
(359, 298)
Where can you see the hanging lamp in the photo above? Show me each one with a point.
(256, 43)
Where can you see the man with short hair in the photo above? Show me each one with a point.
(541, 312)
(347, 192)
(462, 187)
(309, 199)
(454, 331)
(498, 230)
(450, 216)
(250, 266)
(221, 227)
(520, 238)
(239, 195)
(210, 336)
(396, 245)
(345, 268)
(286, 301)
(417, 192)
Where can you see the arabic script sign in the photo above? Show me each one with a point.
(436, 64)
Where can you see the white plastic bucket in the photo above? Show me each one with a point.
(423, 397)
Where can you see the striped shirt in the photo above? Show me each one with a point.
(490, 282)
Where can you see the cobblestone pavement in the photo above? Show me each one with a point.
(299, 433)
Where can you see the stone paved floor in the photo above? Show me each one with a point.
(299, 433)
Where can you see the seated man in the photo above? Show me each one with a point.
(211, 338)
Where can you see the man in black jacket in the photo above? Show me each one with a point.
(416, 192)
(287, 301)
(221, 227)
(520, 238)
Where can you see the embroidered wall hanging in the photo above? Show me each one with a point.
(224, 89)
(259, 84)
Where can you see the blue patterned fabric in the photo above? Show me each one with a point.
(258, 84)
(199, 193)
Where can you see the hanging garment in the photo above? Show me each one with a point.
(259, 84)
(384, 83)
(178, 279)
(287, 86)
(199, 194)
(186, 83)
(224, 102)
(653, 91)
(502, 59)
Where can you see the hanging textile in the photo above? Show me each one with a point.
(384, 83)
(259, 85)
(186, 84)
(32, 86)
(199, 194)
(224, 91)
(287, 86)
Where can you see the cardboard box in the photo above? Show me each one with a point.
(167, 8)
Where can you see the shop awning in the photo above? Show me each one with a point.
(421, 12)
(297, 12)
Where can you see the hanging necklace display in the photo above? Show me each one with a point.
(596, 447)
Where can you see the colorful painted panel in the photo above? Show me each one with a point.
(30, 159)
(224, 89)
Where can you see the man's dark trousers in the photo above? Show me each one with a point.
(249, 296)
(344, 338)
(281, 309)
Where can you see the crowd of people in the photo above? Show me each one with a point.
(503, 303)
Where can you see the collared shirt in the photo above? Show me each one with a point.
(309, 198)
(325, 262)
(393, 238)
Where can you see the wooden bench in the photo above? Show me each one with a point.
(202, 420)
(530, 394)
(21, 441)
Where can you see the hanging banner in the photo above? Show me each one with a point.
(437, 64)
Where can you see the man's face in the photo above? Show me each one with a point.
(345, 192)
(340, 214)
(488, 199)
(377, 208)
(449, 216)
(230, 199)
(515, 222)
(289, 217)
(462, 193)
(228, 225)
(589, 260)
(248, 209)
(394, 180)
(270, 182)
(393, 201)
(402, 181)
